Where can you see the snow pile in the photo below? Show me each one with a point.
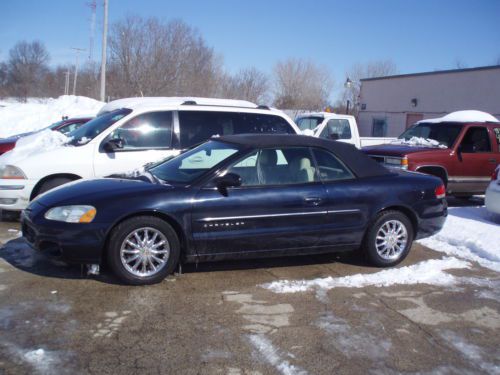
(16, 118)
(418, 141)
(463, 116)
(468, 234)
(34, 144)
(427, 272)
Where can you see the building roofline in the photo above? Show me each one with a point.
(490, 67)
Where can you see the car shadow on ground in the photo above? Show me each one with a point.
(20, 255)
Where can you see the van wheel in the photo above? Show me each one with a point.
(51, 184)
(143, 250)
(389, 239)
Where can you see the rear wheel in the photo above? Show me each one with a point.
(143, 250)
(389, 239)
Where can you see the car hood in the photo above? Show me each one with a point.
(398, 149)
(98, 190)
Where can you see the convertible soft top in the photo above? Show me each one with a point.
(361, 164)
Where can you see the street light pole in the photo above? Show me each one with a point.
(78, 50)
(104, 47)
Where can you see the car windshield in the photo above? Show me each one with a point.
(93, 128)
(443, 133)
(190, 165)
(311, 123)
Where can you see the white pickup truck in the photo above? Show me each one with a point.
(336, 127)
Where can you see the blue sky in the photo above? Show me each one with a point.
(418, 35)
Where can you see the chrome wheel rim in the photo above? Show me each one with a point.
(145, 252)
(391, 239)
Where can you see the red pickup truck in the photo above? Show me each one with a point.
(463, 154)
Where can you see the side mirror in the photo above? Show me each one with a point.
(227, 181)
(113, 144)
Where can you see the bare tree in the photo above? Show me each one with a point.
(248, 84)
(357, 72)
(26, 69)
(301, 84)
(148, 57)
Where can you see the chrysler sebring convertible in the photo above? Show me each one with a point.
(241, 196)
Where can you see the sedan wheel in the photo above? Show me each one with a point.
(143, 250)
(389, 239)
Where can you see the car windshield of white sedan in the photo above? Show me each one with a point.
(193, 163)
(93, 128)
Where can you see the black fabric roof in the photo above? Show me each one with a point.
(361, 164)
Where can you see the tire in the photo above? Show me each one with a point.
(381, 255)
(51, 184)
(123, 256)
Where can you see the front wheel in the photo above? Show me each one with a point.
(143, 250)
(389, 239)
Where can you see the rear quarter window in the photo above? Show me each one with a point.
(198, 126)
(496, 132)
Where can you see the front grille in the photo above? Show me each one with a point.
(378, 159)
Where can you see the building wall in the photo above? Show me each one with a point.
(436, 94)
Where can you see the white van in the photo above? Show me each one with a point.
(129, 133)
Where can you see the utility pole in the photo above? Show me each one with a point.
(66, 83)
(78, 50)
(104, 48)
(92, 5)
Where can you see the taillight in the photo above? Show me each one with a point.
(494, 175)
(440, 191)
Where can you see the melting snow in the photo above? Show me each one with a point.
(468, 234)
(464, 116)
(427, 272)
(16, 118)
(418, 141)
(33, 144)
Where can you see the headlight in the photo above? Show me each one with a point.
(71, 214)
(9, 172)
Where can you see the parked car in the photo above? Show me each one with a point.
(492, 197)
(126, 138)
(240, 196)
(336, 127)
(65, 126)
(462, 149)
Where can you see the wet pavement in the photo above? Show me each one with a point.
(218, 319)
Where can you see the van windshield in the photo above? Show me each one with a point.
(93, 128)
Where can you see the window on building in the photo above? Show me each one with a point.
(379, 127)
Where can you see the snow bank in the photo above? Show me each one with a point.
(463, 116)
(427, 272)
(33, 144)
(418, 141)
(16, 118)
(469, 234)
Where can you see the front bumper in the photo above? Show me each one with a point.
(492, 197)
(15, 194)
(69, 242)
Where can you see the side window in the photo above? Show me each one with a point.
(496, 131)
(337, 129)
(146, 131)
(276, 166)
(476, 140)
(198, 126)
(330, 168)
(69, 128)
(379, 128)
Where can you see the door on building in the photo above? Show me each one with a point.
(412, 118)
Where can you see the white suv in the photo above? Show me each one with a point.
(129, 133)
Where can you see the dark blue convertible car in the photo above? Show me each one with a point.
(237, 197)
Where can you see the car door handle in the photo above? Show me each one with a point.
(313, 200)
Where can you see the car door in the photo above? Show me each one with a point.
(278, 207)
(146, 138)
(347, 201)
(477, 160)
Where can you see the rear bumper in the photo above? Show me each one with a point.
(432, 219)
(71, 243)
(15, 194)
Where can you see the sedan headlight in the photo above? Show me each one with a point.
(72, 214)
(9, 172)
